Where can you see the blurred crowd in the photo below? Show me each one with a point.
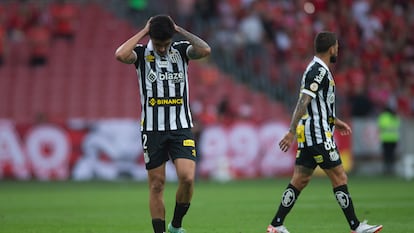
(29, 27)
(263, 43)
(268, 43)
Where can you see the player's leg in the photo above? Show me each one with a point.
(304, 167)
(156, 183)
(332, 165)
(186, 175)
(339, 181)
(301, 177)
(155, 157)
(182, 152)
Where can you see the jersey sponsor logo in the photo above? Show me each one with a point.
(288, 197)
(318, 158)
(165, 101)
(343, 199)
(162, 64)
(166, 76)
(173, 76)
(320, 76)
(189, 142)
(152, 76)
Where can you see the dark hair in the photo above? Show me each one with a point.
(161, 28)
(324, 40)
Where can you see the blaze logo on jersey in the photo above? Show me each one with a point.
(152, 76)
(175, 77)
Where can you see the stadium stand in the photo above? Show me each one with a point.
(83, 80)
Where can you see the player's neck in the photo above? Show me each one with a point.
(324, 57)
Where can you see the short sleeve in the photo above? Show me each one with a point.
(139, 51)
(182, 47)
(315, 79)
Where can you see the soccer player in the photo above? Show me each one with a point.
(313, 124)
(166, 120)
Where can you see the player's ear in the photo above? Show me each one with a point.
(332, 50)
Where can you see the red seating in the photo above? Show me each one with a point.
(83, 79)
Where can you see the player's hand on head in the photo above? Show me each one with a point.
(176, 27)
(147, 25)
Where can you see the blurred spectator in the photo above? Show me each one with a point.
(185, 12)
(64, 18)
(361, 104)
(21, 16)
(38, 38)
(389, 135)
(137, 10)
(3, 35)
(137, 5)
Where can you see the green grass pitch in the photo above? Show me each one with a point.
(234, 207)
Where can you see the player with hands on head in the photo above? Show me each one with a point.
(166, 120)
(313, 123)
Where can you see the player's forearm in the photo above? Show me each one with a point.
(300, 110)
(124, 52)
(200, 47)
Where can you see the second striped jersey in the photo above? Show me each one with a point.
(163, 83)
(317, 126)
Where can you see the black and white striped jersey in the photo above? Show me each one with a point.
(163, 83)
(317, 126)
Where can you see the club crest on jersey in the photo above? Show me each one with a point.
(333, 155)
(152, 76)
(174, 56)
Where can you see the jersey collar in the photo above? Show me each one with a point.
(318, 60)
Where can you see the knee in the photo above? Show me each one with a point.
(187, 180)
(300, 182)
(343, 178)
(157, 185)
(339, 180)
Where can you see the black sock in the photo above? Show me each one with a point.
(179, 212)
(289, 197)
(345, 201)
(158, 225)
